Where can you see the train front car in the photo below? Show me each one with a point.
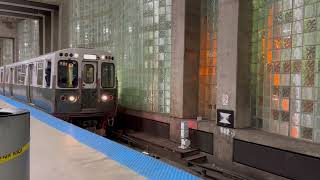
(86, 87)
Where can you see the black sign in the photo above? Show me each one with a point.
(225, 118)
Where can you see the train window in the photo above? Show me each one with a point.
(12, 76)
(88, 74)
(1, 76)
(21, 74)
(107, 75)
(40, 73)
(15, 75)
(48, 74)
(31, 73)
(67, 74)
(7, 75)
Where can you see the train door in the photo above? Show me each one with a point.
(89, 85)
(2, 80)
(89, 77)
(30, 82)
(11, 81)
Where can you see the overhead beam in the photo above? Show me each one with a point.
(30, 4)
(23, 9)
(19, 15)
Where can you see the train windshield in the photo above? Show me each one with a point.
(88, 73)
(67, 74)
(107, 75)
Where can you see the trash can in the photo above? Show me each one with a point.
(14, 144)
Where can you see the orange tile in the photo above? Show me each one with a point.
(294, 132)
(276, 79)
(285, 104)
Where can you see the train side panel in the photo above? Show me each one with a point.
(7, 89)
(42, 97)
(2, 85)
(20, 92)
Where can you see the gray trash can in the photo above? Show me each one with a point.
(14, 144)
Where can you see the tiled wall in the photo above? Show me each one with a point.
(28, 39)
(138, 33)
(7, 51)
(208, 59)
(285, 96)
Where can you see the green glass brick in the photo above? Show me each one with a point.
(310, 11)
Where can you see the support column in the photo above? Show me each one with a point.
(177, 59)
(41, 36)
(185, 62)
(232, 71)
(55, 31)
(64, 29)
(185, 58)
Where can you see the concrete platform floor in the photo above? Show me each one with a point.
(55, 155)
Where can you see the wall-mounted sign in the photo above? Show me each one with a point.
(225, 99)
(225, 118)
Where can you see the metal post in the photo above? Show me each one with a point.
(184, 133)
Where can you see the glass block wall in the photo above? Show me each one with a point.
(7, 51)
(208, 60)
(28, 39)
(138, 33)
(285, 83)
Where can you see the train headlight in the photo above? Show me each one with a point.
(76, 55)
(72, 98)
(104, 98)
(103, 57)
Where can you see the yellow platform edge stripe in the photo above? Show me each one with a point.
(13, 155)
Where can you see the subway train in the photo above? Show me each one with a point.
(77, 85)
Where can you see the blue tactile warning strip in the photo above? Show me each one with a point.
(138, 162)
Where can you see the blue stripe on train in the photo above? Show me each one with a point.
(140, 163)
(47, 107)
(23, 98)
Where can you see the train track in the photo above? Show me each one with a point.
(203, 170)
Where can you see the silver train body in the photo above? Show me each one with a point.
(70, 84)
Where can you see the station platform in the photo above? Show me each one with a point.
(60, 150)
